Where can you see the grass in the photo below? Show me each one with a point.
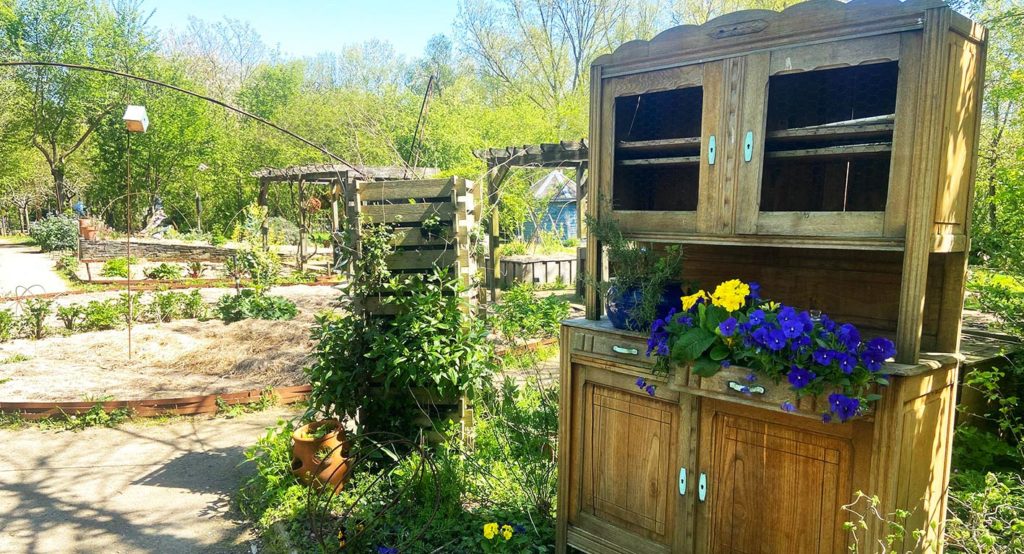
(24, 240)
(13, 359)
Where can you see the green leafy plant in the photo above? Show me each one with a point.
(195, 269)
(165, 272)
(33, 320)
(865, 512)
(71, 316)
(521, 314)
(117, 267)
(101, 315)
(167, 306)
(56, 232)
(635, 266)
(8, 324)
(986, 513)
(129, 306)
(68, 265)
(249, 304)
(194, 307)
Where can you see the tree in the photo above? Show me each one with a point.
(61, 108)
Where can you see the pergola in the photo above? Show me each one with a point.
(335, 176)
(572, 154)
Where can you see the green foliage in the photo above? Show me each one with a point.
(262, 268)
(248, 304)
(165, 272)
(986, 513)
(101, 315)
(129, 307)
(167, 306)
(71, 316)
(195, 269)
(8, 325)
(633, 266)
(68, 265)
(33, 320)
(864, 512)
(56, 232)
(521, 314)
(194, 307)
(117, 267)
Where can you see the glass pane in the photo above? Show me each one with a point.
(829, 139)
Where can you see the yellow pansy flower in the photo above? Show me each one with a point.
(771, 306)
(689, 301)
(490, 530)
(506, 531)
(730, 295)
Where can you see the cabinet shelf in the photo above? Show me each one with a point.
(674, 160)
(660, 145)
(843, 151)
(880, 126)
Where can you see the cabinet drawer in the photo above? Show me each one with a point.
(730, 382)
(631, 350)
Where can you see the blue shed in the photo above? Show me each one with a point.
(561, 215)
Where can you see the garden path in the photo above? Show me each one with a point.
(25, 266)
(141, 487)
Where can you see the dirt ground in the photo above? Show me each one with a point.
(181, 358)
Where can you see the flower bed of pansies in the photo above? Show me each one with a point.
(733, 325)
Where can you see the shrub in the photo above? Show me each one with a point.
(129, 306)
(195, 269)
(194, 307)
(101, 315)
(521, 314)
(248, 304)
(71, 316)
(33, 321)
(164, 271)
(56, 232)
(7, 325)
(282, 231)
(167, 306)
(117, 267)
(986, 513)
(67, 264)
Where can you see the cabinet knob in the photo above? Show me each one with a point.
(748, 146)
(702, 487)
(711, 150)
(682, 481)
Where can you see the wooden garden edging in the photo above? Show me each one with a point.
(189, 405)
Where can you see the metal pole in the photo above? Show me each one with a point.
(131, 316)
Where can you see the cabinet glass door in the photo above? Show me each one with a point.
(657, 147)
(831, 126)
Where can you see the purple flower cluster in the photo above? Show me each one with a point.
(813, 353)
(643, 385)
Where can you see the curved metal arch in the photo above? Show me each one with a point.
(210, 99)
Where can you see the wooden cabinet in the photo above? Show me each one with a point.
(827, 152)
(699, 467)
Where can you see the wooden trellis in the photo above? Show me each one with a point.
(434, 223)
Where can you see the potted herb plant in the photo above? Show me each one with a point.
(318, 454)
(645, 282)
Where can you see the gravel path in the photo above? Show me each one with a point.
(137, 488)
(26, 266)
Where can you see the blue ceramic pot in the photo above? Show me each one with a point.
(619, 307)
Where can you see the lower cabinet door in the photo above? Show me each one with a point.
(626, 465)
(772, 487)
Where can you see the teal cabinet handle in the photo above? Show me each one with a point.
(702, 487)
(711, 150)
(623, 350)
(748, 146)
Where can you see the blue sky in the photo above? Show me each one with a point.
(306, 27)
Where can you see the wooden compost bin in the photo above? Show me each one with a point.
(827, 152)
(538, 269)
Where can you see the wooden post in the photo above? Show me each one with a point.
(262, 201)
(594, 257)
(199, 212)
(495, 175)
(301, 251)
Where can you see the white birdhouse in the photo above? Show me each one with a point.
(135, 119)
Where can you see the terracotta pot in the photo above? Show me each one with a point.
(313, 471)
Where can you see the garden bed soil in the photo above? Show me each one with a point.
(181, 358)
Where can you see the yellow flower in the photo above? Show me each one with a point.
(689, 301)
(730, 295)
(506, 531)
(772, 306)
(490, 530)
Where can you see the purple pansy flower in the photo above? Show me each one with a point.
(823, 356)
(825, 417)
(844, 407)
(882, 346)
(776, 340)
(800, 377)
(788, 406)
(756, 317)
(728, 327)
(847, 362)
(849, 336)
(650, 390)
